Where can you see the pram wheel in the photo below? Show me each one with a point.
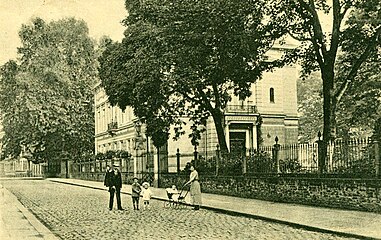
(168, 204)
(180, 203)
(176, 200)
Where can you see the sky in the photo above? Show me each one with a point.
(103, 17)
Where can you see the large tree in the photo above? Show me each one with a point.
(187, 58)
(355, 31)
(46, 97)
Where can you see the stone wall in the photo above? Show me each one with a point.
(355, 194)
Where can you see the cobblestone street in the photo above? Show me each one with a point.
(81, 213)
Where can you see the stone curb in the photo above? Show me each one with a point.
(44, 232)
(21, 178)
(292, 224)
(248, 215)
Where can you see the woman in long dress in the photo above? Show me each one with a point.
(195, 189)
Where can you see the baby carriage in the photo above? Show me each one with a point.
(176, 199)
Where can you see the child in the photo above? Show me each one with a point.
(147, 194)
(136, 189)
(174, 192)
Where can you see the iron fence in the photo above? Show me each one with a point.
(351, 158)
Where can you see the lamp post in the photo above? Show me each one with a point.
(139, 140)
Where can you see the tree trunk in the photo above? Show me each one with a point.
(329, 116)
(332, 125)
(219, 124)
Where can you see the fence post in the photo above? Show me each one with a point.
(178, 160)
(377, 157)
(321, 157)
(218, 155)
(275, 151)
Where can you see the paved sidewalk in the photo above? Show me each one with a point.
(17, 223)
(347, 223)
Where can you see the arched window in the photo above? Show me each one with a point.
(272, 99)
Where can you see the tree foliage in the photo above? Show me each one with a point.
(360, 107)
(187, 58)
(357, 112)
(310, 100)
(46, 97)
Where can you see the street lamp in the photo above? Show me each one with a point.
(139, 140)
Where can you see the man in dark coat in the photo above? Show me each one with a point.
(115, 184)
(107, 177)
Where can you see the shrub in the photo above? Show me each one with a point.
(290, 166)
(260, 162)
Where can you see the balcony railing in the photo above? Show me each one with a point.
(249, 109)
(112, 127)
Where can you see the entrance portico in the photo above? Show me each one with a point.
(241, 132)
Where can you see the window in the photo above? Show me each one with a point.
(103, 122)
(272, 95)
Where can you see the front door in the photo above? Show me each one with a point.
(237, 142)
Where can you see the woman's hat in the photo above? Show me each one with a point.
(145, 184)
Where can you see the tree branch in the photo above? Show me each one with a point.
(319, 57)
(216, 95)
(301, 39)
(356, 66)
(345, 10)
(317, 29)
(206, 101)
(335, 37)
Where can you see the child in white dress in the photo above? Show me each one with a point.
(146, 195)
